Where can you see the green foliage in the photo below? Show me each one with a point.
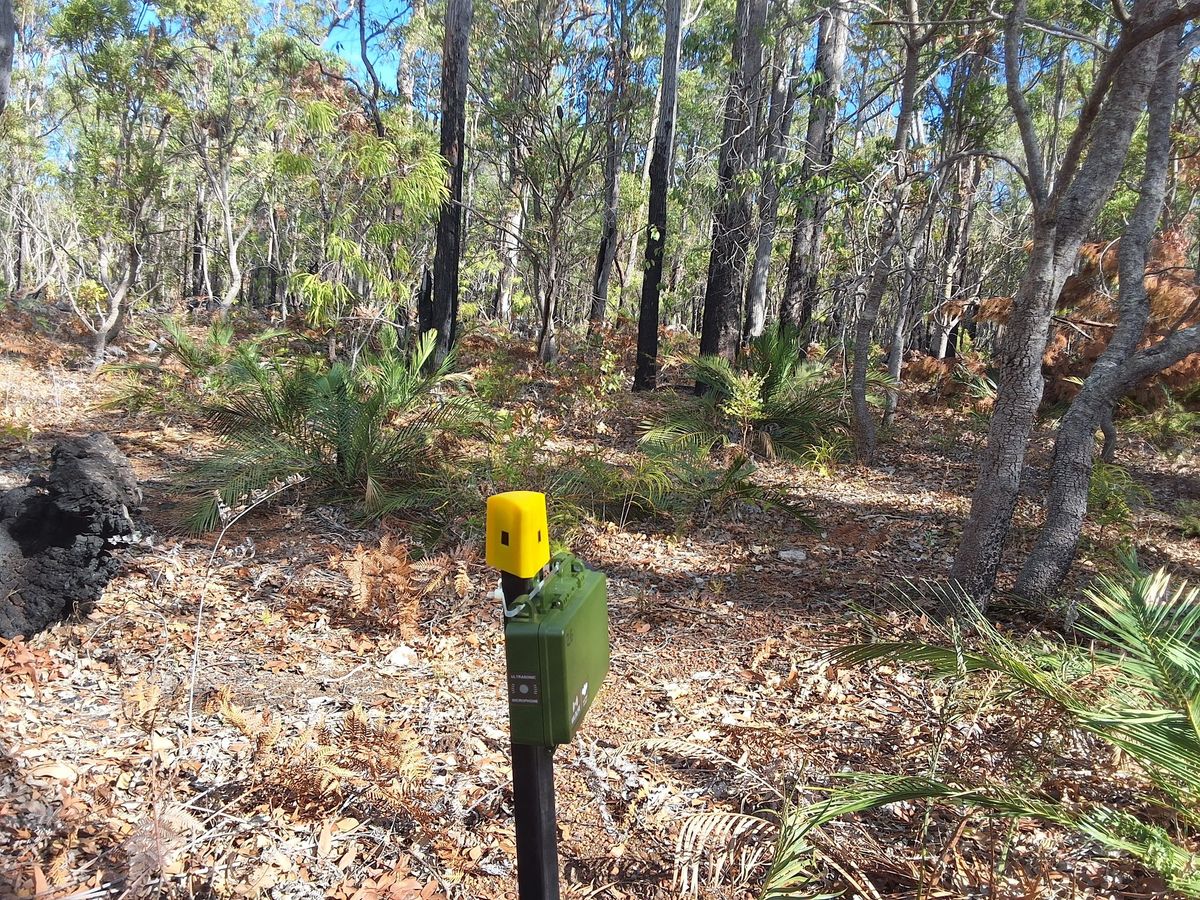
(1113, 494)
(1188, 512)
(380, 437)
(978, 387)
(609, 377)
(824, 456)
(771, 404)
(677, 487)
(191, 371)
(701, 489)
(1169, 426)
(1146, 629)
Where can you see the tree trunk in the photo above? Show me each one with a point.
(19, 263)
(779, 124)
(800, 288)
(406, 74)
(1062, 218)
(635, 229)
(1118, 367)
(199, 268)
(8, 42)
(864, 422)
(907, 302)
(234, 289)
(453, 134)
(614, 147)
(110, 327)
(724, 291)
(645, 376)
(547, 346)
(510, 243)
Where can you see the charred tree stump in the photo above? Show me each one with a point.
(57, 534)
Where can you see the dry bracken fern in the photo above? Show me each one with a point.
(377, 770)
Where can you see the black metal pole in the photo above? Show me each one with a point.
(537, 831)
(533, 800)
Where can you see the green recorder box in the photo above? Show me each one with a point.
(556, 648)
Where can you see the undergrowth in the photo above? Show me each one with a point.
(771, 404)
(382, 436)
(1134, 687)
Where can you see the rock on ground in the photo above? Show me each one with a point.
(57, 534)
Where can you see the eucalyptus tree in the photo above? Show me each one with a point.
(230, 100)
(731, 233)
(1124, 361)
(617, 66)
(967, 126)
(406, 71)
(33, 220)
(116, 81)
(645, 376)
(539, 81)
(444, 310)
(785, 71)
(1066, 203)
(914, 36)
(824, 109)
(8, 40)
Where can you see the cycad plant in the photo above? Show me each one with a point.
(1146, 633)
(1137, 689)
(189, 370)
(379, 437)
(771, 404)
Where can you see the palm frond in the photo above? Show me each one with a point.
(355, 436)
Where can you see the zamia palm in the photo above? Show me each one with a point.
(378, 435)
(773, 403)
(1146, 628)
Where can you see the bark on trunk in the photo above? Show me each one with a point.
(8, 42)
(907, 302)
(635, 228)
(614, 147)
(453, 139)
(113, 322)
(645, 376)
(800, 288)
(1118, 368)
(547, 343)
(779, 124)
(199, 287)
(406, 74)
(720, 334)
(1062, 219)
(865, 438)
(510, 243)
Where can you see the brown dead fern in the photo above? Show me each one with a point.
(378, 771)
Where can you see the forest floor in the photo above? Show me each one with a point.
(339, 726)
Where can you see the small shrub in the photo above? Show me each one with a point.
(1188, 512)
(772, 404)
(1113, 495)
(825, 455)
(1168, 427)
(380, 437)
(673, 486)
(190, 371)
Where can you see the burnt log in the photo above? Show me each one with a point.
(58, 533)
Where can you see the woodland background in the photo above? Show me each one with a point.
(836, 333)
